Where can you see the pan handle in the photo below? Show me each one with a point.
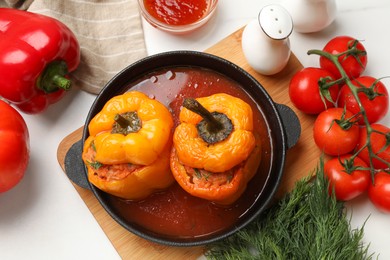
(74, 166)
(291, 124)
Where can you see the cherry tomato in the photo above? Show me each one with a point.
(372, 94)
(346, 185)
(354, 65)
(379, 191)
(14, 147)
(378, 144)
(305, 90)
(333, 133)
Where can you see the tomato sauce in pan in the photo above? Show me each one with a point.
(174, 212)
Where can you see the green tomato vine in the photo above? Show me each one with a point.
(356, 53)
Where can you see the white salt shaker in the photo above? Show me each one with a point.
(265, 41)
(311, 15)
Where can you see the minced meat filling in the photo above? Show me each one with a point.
(206, 179)
(109, 172)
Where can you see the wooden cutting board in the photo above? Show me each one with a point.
(301, 160)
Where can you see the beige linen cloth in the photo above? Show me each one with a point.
(109, 32)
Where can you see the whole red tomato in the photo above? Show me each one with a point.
(353, 64)
(334, 133)
(379, 191)
(306, 92)
(373, 96)
(378, 144)
(14, 147)
(347, 185)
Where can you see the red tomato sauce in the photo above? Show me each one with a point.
(176, 12)
(174, 212)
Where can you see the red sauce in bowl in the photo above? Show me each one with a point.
(174, 213)
(177, 12)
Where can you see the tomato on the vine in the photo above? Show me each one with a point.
(379, 191)
(354, 64)
(379, 139)
(335, 131)
(373, 96)
(14, 147)
(307, 91)
(345, 179)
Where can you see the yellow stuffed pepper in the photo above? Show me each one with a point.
(127, 152)
(215, 152)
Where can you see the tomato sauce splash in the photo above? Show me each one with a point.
(177, 12)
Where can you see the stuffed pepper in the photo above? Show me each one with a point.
(128, 150)
(215, 152)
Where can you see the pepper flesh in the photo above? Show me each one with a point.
(136, 164)
(14, 148)
(36, 54)
(217, 172)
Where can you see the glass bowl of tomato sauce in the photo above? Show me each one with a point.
(177, 16)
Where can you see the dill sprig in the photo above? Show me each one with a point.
(306, 224)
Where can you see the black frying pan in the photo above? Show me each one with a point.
(283, 124)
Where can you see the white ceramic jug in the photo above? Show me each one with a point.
(311, 15)
(265, 42)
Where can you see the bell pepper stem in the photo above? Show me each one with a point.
(53, 77)
(62, 82)
(214, 127)
(196, 107)
(123, 122)
(126, 123)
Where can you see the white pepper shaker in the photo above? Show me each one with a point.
(265, 41)
(311, 15)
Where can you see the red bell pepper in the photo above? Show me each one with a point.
(14, 147)
(37, 53)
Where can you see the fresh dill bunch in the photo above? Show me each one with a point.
(306, 224)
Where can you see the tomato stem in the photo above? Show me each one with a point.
(346, 123)
(335, 82)
(334, 58)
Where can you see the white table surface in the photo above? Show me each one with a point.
(44, 217)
